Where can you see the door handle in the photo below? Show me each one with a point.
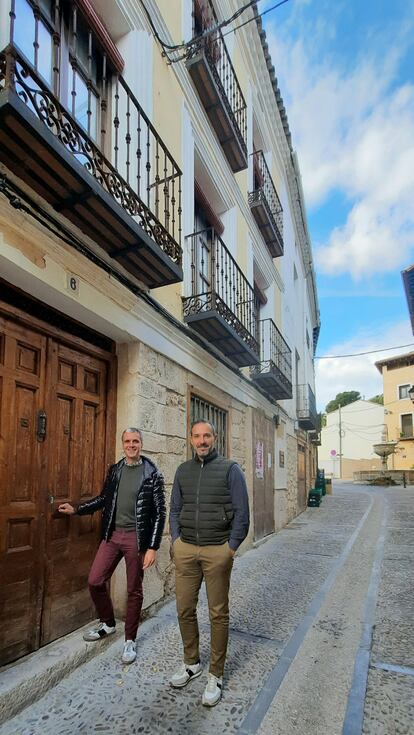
(41, 426)
(51, 499)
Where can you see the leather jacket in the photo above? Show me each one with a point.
(150, 509)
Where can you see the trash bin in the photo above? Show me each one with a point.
(315, 497)
(328, 483)
(320, 481)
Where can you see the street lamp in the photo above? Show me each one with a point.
(411, 394)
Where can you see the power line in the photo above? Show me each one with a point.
(185, 46)
(357, 354)
(260, 15)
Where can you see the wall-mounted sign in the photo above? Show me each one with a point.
(72, 284)
(259, 463)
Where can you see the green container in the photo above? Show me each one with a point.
(315, 497)
(320, 481)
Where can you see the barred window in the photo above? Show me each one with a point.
(202, 409)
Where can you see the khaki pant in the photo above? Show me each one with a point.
(214, 563)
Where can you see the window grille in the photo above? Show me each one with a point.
(202, 409)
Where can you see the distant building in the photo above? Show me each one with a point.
(408, 280)
(348, 437)
(398, 376)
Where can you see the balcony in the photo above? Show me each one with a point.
(315, 438)
(222, 306)
(212, 72)
(274, 372)
(124, 191)
(306, 408)
(266, 207)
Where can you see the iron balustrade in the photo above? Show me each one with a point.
(218, 284)
(212, 44)
(265, 193)
(275, 353)
(306, 404)
(65, 78)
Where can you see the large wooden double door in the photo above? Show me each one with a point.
(53, 448)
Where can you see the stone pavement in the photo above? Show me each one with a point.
(304, 605)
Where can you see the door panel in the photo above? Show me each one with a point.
(263, 486)
(302, 498)
(22, 376)
(77, 403)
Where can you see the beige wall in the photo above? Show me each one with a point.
(403, 459)
(349, 466)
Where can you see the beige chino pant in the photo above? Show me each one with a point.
(214, 564)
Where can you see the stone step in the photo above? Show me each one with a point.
(29, 678)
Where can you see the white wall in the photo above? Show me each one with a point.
(361, 424)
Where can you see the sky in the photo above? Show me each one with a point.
(345, 69)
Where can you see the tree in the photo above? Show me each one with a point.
(342, 399)
(377, 399)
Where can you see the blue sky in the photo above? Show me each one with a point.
(346, 74)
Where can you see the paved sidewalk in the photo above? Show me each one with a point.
(298, 608)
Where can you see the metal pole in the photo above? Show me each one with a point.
(340, 444)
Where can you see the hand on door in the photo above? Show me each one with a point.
(66, 508)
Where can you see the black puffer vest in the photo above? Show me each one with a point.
(207, 512)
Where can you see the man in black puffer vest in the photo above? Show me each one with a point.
(133, 517)
(209, 519)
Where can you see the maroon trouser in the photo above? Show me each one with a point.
(121, 544)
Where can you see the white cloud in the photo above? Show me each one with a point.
(354, 132)
(359, 373)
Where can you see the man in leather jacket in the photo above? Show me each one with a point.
(133, 517)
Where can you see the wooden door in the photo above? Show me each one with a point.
(53, 448)
(263, 480)
(22, 387)
(302, 496)
(76, 438)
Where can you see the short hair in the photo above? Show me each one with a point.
(203, 421)
(131, 430)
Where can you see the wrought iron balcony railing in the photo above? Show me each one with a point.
(306, 408)
(74, 131)
(265, 205)
(222, 305)
(212, 71)
(315, 438)
(274, 373)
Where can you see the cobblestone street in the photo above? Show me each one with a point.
(304, 606)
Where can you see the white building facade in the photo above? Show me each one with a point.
(347, 439)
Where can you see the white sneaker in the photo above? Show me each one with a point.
(212, 692)
(101, 631)
(185, 673)
(130, 652)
